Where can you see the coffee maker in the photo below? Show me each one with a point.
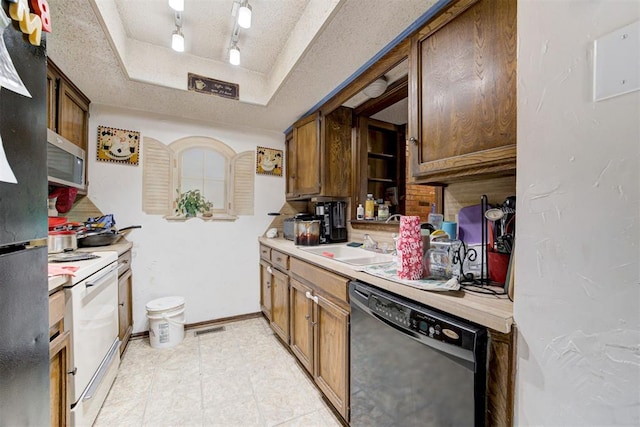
(333, 224)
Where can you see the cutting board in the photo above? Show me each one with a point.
(470, 224)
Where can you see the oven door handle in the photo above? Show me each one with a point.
(102, 277)
(460, 355)
(102, 371)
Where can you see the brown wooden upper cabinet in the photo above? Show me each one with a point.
(462, 93)
(318, 153)
(67, 107)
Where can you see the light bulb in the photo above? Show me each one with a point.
(177, 41)
(244, 15)
(177, 5)
(234, 55)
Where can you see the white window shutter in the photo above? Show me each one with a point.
(242, 171)
(157, 187)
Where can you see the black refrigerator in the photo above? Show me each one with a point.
(24, 309)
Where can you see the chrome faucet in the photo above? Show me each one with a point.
(369, 243)
(393, 216)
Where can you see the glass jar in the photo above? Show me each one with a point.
(383, 212)
(307, 232)
(437, 262)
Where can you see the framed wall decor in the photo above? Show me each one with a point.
(269, 161)
(118, 145)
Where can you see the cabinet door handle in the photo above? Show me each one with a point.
(413, 140)
(121, 304)
(306, 316)
(75, 369)
(269, 270)
(311, 297)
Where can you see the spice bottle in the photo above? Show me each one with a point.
(360, 212)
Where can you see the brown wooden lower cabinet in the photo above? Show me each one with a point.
(265, 289)
(301, 328)
(60, 365)
(125, 314)
(331, 351)
(280, 304)
(125, 303)
(320, 329)
(59, 362)
(501, 371)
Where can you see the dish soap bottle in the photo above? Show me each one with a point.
(369, 207)
(360, 212)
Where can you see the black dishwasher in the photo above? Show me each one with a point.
(412, 365)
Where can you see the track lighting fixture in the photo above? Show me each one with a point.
(234, 54)
(177, 38)
(244, 14)
(177, 5)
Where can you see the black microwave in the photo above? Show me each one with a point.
(65, 162)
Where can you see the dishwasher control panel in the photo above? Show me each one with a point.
(417, 321)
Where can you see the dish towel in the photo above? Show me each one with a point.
(57, 270)
(389, 272)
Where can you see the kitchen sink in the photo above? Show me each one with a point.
(349, 255)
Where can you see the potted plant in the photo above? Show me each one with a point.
(191, 202)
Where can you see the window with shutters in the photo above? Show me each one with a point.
(223, 177)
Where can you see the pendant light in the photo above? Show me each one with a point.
(234, 55)
(244, 14)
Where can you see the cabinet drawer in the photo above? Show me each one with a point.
(322, 280)
(279, 260)
(56, 313)
(265, 252)
(124, 263)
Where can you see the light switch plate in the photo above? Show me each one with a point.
(616, 68)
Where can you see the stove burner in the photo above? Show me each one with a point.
(71, 256)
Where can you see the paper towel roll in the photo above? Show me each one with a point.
(409, 249)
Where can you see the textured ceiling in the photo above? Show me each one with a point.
(348, 37)
(207, 26)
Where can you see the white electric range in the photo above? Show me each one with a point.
(92, 317)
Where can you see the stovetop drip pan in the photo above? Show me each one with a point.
(69, 257)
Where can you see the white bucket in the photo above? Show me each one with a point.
(166, 321)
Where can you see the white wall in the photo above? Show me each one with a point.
(214, 265)
(577, 296)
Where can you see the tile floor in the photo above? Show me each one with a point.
(241, 376)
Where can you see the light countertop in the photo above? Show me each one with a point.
(494, 313)
(57, 282)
